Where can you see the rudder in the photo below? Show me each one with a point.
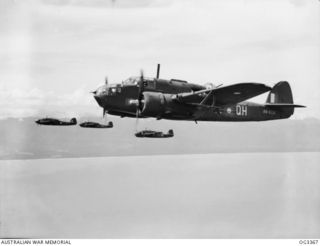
(281, 94)
(73, 121)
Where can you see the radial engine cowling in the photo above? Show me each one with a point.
(156, 104)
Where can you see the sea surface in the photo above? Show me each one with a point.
(255, 195)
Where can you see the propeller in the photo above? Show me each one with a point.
(140, 96)
(140, 90)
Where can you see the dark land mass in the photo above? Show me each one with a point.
(23, 139)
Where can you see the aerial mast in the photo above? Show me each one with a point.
(158, 71)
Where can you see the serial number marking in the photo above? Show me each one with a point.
(268, 111)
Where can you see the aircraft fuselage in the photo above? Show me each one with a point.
(120, 100)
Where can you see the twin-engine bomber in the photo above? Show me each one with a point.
(175, 99)
(154, 134)
(56, 122)
(90, 124)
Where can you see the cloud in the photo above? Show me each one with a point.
(61, 46)
(35, 102)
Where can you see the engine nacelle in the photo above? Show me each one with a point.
(159, 105)
(156, 104)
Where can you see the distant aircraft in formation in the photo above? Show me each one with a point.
(56, 122)
(154, 134)
(90, 124)
(73, 121)
(174, 99)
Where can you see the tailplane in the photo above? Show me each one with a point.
(73, 121)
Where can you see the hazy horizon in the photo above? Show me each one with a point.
(24, 139)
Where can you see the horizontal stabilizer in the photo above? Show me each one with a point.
(283, 105)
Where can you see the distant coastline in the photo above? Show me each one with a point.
(23, 139)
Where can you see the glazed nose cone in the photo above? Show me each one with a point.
(100, 95)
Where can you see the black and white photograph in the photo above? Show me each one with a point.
(160, 119)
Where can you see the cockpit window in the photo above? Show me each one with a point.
(131, 81)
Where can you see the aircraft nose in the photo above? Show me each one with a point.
(98, 97)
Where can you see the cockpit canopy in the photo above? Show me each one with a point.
(101, 90)
(131, 81)
(135, 80)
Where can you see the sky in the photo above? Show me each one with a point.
(54, 52)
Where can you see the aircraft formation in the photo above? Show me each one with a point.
(174, 99)
(73, 121)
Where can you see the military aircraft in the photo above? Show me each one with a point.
(174, 99)
(55, 122)
(154, 134)
(90, 124)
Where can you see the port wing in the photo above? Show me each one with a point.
(221, 96)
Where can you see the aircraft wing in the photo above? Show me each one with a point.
(231, 94)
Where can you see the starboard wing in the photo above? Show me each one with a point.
(226, 95)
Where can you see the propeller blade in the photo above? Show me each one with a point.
(141, 86)
(137, 119)
(140, 96)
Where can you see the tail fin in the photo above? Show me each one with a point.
(73, 120)
(280, 93)
(170, 132)
(280, 97)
